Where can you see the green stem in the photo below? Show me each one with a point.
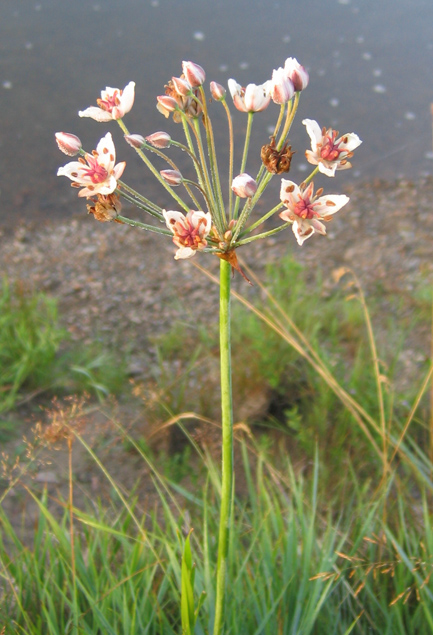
(227, 444)
(291, 112)
(231, 142)
(271, 232)
(139, 201)
(310, 176)
(261, 220)
(244, 156)
(154, 171)
(149, 228)
(213, 160)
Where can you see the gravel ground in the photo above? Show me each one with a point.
(123, 285)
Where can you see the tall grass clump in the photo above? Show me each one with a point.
(30, 337)
(298, 564)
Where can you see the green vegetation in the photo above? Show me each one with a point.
(295, 567)
(35, 356)
(332, 529)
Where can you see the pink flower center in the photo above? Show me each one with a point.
(330, 150)
(189, 236)
(96, 172)
(304, 209)
(109, 102)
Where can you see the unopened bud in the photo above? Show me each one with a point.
(244, 186)
(135, 140)
(228, 235)
(172, 177)
(159, 139)
(217, 91)
(193, 73)
(281, 88)
(68, 143)
(166, 104)
(296, 73)
(181, 86)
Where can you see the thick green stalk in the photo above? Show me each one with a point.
(227, 444)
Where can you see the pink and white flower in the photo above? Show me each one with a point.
(68, 143)
(253, 98)
(113, 104)
(244, 185)
(194, 73)
(217, 91)
(96, 173)
(296, 73)
(307, 211)
(328, 152)
(190, 231)
(280, 87)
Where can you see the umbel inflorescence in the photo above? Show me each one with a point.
(209, 217)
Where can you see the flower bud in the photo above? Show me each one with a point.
(193, 73)
(281, 88)
(244, 186)
(135, 140)
(166, 104)
(296, 73)
(172, 177)
(159, 139)
(217, 91)
(68, 143)
(181, 86)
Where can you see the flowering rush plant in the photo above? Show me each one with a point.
(209, 218)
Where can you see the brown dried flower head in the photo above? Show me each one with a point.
(276, 161)
(106, 207)
(64, 417)
(186, 103)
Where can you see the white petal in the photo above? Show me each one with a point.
(127, 98)
(327, 205)
(172, 217)
(329, 171)
(299, 228)
(69, 168)
(234, 87)
(108, 92)
(240, 103)
(195, 216)
(184, 252)
(314, 131)
(118, 170)
(311, 157)
(319, 227)
(353, 141)
(106, 143)
(256, 98)
(96, 113)
(294, 190)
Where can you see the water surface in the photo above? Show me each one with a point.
(370, 64)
